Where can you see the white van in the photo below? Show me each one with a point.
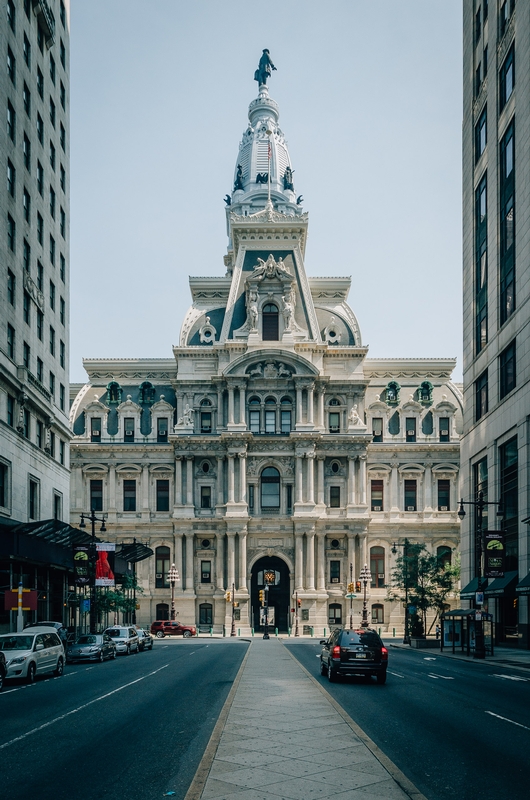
(32, 652)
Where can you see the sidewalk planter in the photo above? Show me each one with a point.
(421, 643)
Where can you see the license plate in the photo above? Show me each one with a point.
(360, 655)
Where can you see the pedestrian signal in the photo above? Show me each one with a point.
(299, 603)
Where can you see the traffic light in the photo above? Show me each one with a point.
(228, 597)
(351, 588)
(299, 603)
(261, 595)
(358, 586)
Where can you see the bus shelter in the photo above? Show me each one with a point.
(458, 631)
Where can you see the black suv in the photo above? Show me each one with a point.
(356, 652)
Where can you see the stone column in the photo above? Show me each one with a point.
(320, 480)
(231, 478)
(180, 405)
(189, 562)
(362, 479)
(298, 405)
(321, 393)
(394, 499)
(230, 405)
(112, 487)
(220, 562)
(351, 556)
(299, 562)
(145, 488)
(321, 562)
(452, 493)
(178, 557)
(310, 402)
(298, 478)
(310, 574)
(220, 420)
(351, 480)
(231, 560)
(189, 480)
(243, 477)
(310, 477)
(220, 493)
(242, 404)
(178, 480)
(243, 560)
(427, 504)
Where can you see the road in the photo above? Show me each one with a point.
(458, 730)
(133, 727)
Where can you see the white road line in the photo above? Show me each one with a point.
(443, 677)
(511, 677)
(396, 674)
(429, 658)
(80, 708)
(508, 720)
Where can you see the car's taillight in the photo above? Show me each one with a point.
(335, 653)
(384, 654)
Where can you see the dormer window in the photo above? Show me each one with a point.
(147, 393)
(425, 392)
(128, 429)
(113, 393)
(270, 323)
(392, 393)
(377, 429)
(444, 429)
(161, 429)
(410, 427)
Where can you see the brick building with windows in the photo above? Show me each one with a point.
(496, 171)
(269, 449)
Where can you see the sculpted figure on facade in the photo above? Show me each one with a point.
(265, 68)
(252, 310)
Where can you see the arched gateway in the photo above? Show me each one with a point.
(273, 572)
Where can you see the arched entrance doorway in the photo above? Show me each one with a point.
(279, 593)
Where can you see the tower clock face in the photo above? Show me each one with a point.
(269, 576)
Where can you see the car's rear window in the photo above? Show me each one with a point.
(368, 638)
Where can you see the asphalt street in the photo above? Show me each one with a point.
(133, 727)
(458, 730)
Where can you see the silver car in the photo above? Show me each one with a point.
(32, 652)
(91, 647)
(125, 638)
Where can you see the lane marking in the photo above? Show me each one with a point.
(396, 674)
(508, 720)
(443, 677)
(429, 658)
(511, 677)
(80, 708)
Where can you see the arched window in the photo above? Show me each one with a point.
(270, 415)
(444, 555)
(253, 414)
(206, 416)
(113, 393)
(206, 614)
(286, 414)
(377, 567)
(270, 489)
(162, 556)
(162, 611)
(335, 615)
(378, 614)
(270, 323)
(147, 393)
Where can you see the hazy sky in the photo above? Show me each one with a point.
(370, 102)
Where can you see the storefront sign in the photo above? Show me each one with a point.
(494, 554)
(81, 565)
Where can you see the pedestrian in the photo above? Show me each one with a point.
(437, 631)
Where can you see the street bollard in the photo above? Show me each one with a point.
(379, 630)
(288, 632)
(276, 632)
(324, 631)
(239, 631)
(211, 632)
(252, 631)
(394, 632)
(312, 629)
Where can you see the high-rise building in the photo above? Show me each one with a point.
(34, 256)
(496, 255)
(269, 454)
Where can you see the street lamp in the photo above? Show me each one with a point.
(266, 634)
(405, 546)
(233, 628)
(296, 606)
(366, 576)
(93, 519)
(479, 505)
(173, 578)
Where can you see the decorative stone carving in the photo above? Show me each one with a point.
(207, 332)
(270, 369)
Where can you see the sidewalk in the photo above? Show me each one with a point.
(508, 656)
(282, 737)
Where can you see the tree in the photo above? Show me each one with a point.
(118, 600)
(425, 580)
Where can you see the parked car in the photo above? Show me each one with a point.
(125, 638)
(353, 652)
(59, 628)
(145, 639)
(165, 627)
(32, 652)
(3, 669)
(91, 647)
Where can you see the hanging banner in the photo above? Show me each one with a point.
(494, 554)
(81, 565)
(105, 564)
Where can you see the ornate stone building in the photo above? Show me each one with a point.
(269, 448)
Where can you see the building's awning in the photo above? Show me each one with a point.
(468, 592)
(501, 586)
(464, 612)
(134, 552)
(48, 542)
(50, 530)
(523, 587)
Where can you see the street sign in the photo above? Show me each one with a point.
(351, 596)
(479, 598)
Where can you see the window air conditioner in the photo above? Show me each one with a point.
(158, 575)
(377, 508)
(96, 433)
(411, 508)
(162, 433)
(128, 433)
(443, 508)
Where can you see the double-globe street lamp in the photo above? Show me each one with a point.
(174, 577)
(405, 546)
(366, 577)
(479, 505)
(93, 519)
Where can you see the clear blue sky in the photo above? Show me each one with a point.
(370, 102)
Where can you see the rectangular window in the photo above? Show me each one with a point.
(40, 83)
(62, 14)
(507, 375)
(26, 354)
(481, 396)
(52, 295)
(334, 571)
(52, 340)
(26, 428)
(95, 429)
(62, 137)
(161, 429)
(26, 308)
(40, 369)
(206, 496)
(52, 69)
(52, 156)
(63, 178)
(40, 179)
(57, 506)
(52, 250)
(52, 112)
(128, 429)
(506, 79)
(11, 66)
(62, 310)
(443, 423)
(33, 504)
(40, 275)
(62, 452)
(444, 495)
(410, 428)
(289, 498)
(129, 495)
(40, 324)
(52, 445)
(377, 429)
(40, 434)
(11, 411)
(11, 18)
(206, 421)
(507, 8)
(52, 384)
(63, 267)
(478, 79)
(40, 228)
(52, 203)
(4, 486)
(206, 571)
(96, 495)
(334, 496)
(63, 96)
(62, 354)
(62, 218)
(11, 178)
(254, 421)
(481, 244)
(334, 422)
(270, 421)
(11, 122)
(40, 129)
(251, 497)
(507, 223)
(377, 495)
(11, 342)
(478, 24)
(26, 150)
(162, 495)
(11, 233)
(62, 397)
(26, 99)
(26, 49)
(286, 421)
(26, 204)
(11, 283)
(26, 254)
(411, 496)
(509, 491)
